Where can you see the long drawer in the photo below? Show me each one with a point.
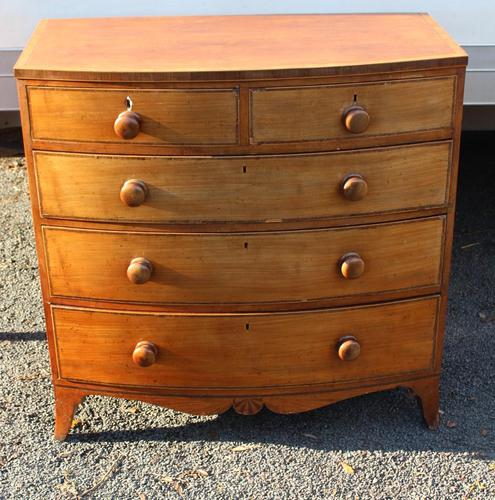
(168, 116)
(204, 268)
(315, 113)
(262, 188)
(245, 350)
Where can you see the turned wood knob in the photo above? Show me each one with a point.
(145, 353)
(348, 348)
(354, 187)
(356, 119)
(127, 125)
(133, 192)
(351, 265)
(139, 270)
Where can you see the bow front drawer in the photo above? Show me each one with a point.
(219, 351)
(242, 189)
(222, 268)
(350, 111)
(173, 116)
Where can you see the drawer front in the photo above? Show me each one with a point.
(316, 113)
(222, 189)
(242, 268)
(228, 351)
(167, 116)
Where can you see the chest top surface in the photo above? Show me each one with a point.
(234, 47)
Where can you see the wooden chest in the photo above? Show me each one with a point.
(243, 211)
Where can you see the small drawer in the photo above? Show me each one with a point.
(243, 268)
(243, 351)
(172, 116)
(325, 112)
(242, 189)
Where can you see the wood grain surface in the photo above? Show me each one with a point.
(243, 268)
(172, 116)
(234, 47)
(228, 351)
(425, 388)
(244, 146)
(313, 113)
(223, 189)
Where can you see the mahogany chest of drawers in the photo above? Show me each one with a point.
(243, 211)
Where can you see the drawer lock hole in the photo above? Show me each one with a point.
(128, 103)
(244, 170)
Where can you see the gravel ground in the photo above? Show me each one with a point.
(122, 449)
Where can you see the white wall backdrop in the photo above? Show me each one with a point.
(471, 23)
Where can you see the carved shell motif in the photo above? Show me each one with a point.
(247, 406)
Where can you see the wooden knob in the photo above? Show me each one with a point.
(139, 270)
(348, 348)
(127, 125)
(354, 187)
(145, 353)
(356, 119)
(133, 192)
(351, 265)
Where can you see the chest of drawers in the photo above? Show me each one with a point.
(242, 211)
